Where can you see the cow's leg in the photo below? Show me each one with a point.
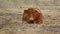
(23, 19)
(39, 21)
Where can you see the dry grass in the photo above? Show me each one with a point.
(11, 17)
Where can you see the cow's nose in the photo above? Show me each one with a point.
(31, 18)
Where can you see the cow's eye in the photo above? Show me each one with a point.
(36, 11)
(25, 10)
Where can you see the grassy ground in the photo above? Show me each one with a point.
(11, 17)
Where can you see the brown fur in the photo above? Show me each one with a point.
(34, 14)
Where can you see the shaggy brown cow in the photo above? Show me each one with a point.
(31, 15)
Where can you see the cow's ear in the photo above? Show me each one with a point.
(38, 11)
